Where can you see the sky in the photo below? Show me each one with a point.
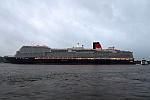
(124, 24)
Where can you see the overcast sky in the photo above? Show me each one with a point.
(124, 24)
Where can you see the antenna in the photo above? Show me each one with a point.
(78, 45)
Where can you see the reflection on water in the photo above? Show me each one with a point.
(88, 82)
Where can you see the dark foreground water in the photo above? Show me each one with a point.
(74, 82)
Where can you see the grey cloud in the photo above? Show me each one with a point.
(121, 23)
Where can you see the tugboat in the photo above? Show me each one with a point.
(144, 62)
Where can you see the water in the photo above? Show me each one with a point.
(74, 82)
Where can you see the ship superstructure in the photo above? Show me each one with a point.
(75, 55)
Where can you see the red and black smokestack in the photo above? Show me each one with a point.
(96, 45)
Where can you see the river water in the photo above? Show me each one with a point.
(74, 82)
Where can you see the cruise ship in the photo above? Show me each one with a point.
(77, 55)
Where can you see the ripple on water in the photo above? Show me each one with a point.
(74, 82)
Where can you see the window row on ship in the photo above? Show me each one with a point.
(73, 55)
